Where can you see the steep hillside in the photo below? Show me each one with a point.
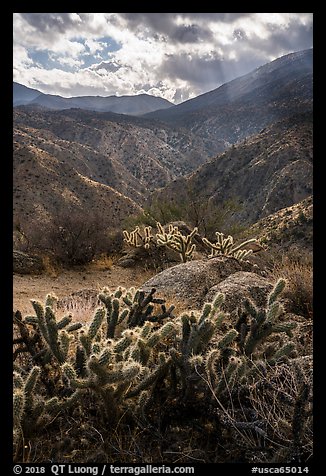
(263, 174)
(260, 125)
(151, 153)
(244, 106)
(290, 227)
(83, 159)
(49, 181)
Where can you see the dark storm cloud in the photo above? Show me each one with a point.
(223, 17)
(45, 22)
(294, 38)
(239, 34)
(106, 65)
(208, 71)
(158, 22)
(165, 24)
(190, 34)
(162, 21)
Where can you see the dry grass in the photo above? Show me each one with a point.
(81, 306)
(275, 399)
(103, 262)
(299, 290)
(268, 420)
(51, 267)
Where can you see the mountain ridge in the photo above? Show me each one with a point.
(245, 105)
(264, 173)
(221, 96)
(128, 104)
(256, 149)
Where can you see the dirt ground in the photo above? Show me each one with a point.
(26, 287)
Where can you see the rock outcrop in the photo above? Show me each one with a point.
(24, 263)
(239, 286)
(190, 282)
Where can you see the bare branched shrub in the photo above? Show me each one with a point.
(271, 420)
(283, 400)
(75, 239)
(72, 238)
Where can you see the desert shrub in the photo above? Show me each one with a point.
(71, 238)
(114, 243)
(298, 273)
(276, 411)
(202, 213)
(75, 239)
(20, 239)
(137, 371)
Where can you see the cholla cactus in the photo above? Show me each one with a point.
(31, 408)
(251, 350)
(126, 371)
(196, 332)
(94, 359)
(172, 239)
(42, 336)
(120, 369)
(138, 240)
(132, 307)
(225, 246)
(176, 241)
(263, 323)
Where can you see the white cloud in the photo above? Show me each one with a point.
(156, 53)
(21, 56)
(65, 46)
(68, 61)
(94, 46)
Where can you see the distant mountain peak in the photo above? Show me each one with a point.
(131, 104)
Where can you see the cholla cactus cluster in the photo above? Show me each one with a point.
(138, 240)
(172, 239)
(88, 358)
(239, 354)
(176, 241)
(131, 346)
(183, 245)
(256, 325)
(253, 351)
(225, 246)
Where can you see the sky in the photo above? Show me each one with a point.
(176, 56)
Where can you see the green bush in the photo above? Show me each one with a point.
(204, 214)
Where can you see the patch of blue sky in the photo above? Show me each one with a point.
(109, 46)
(41, 58)
(49, 60)
(89, 59)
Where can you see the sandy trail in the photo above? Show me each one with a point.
(26, 287)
